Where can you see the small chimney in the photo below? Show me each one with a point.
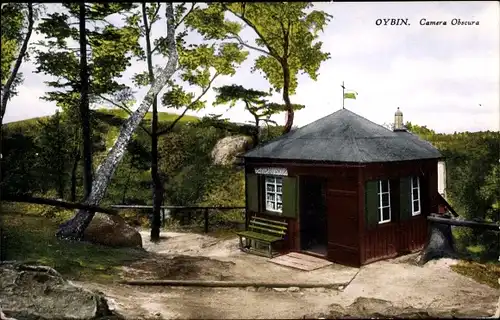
(398, 121)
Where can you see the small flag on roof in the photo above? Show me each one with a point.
(350, 95)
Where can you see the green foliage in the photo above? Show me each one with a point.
(198, 64)
(473, 180)
(254, 101)
(55, 153)
(14, 22)
(285, 35)
(111, 51)
(12, 19)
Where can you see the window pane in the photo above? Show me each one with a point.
(414, 182)
(386, 213)
(380, 218)
(279, 188)
(415, 194)
(385, 200)
(280, 206)
(270, 205)
(278, 180)
(270, 179)
(416, 206)
(270, 197)
(279, 198)
(270, 187)
(385, 185)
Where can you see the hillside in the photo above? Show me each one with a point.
(41, 158)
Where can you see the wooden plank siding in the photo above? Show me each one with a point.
(350, 240)
(342, 180)
(400, 236)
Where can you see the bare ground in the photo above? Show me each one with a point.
(193, 256)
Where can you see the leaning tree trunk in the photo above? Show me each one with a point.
(6, 90)
(74, 228)
(157, 186)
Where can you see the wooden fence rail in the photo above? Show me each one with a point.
(465, 223)
(205, 209)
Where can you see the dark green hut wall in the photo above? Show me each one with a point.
(290, 197)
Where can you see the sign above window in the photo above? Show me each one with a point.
(272, 171)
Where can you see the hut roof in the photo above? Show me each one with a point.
(345, 136)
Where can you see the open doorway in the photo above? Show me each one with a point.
(313, 218)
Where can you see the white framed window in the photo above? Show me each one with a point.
(274, 193)
(415, 196)
(384, 203)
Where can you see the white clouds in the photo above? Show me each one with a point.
(438, 75)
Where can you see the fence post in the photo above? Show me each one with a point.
(205, 215)
(163, 217)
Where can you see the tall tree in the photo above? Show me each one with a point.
(255, 103)
(199, 66)
(17, 20)
(81, 75)
(285, 38)
(75, 227)
(84, 105)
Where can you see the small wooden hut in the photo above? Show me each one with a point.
(349, 190)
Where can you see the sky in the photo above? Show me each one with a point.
(446, 77)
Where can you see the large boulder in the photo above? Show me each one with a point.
(226, 149)
(110, 230)
(32, 292)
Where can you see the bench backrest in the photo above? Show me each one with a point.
(268, 226)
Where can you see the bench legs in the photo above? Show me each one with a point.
(247, 245)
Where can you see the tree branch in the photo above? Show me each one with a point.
(187, 14)
(8, 85)
(124, 108)
(205, 90)
(155, 14)
(272, 52)
(243, 43)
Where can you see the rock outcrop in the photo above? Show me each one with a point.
(32, 292)
(366, 308)
(226, 149)
(112, 231)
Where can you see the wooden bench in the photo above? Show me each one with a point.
(262, 230)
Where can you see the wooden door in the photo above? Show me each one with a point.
(343, 240)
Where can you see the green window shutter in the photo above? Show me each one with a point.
(252, 192)
(405, 198)
(371, 203)
(290, 196)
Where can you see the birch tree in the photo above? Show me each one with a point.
(199, 66)
(75, 227)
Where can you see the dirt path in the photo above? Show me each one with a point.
(432, 286)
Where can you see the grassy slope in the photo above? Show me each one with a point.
(74, 260)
